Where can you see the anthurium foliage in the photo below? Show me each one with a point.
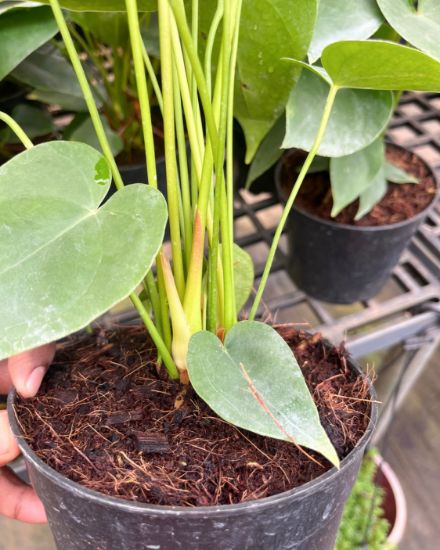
(257, 385)
(65, 257)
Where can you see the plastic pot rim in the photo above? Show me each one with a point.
(368, 228)
(179, 511)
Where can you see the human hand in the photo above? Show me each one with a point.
(25, 371)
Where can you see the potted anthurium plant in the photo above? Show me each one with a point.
(206, 428)
(365, 199)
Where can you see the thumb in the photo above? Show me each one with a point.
(27, 369)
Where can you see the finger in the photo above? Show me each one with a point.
(28, 369)
(19, 501)
(5, 379)
(8, 444)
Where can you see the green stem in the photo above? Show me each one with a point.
(313, 151)
(141, 82)
(17, 129)
(183, 170)
(210, 43)
(87, 92)
(161, 347)
(166, 58)
(153, 78)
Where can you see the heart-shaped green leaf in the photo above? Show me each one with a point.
(346, 20)
(64, 259)
(270, 30)
(357, 118)
(103, 5)
(379, 65)
(353, 174)
(254, 382)
(47, 70)
(372, 194)
(21, 32)
(397, 175)
(420, 25)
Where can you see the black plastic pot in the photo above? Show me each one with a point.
(305, 518)
(137, 173)
(343, 264)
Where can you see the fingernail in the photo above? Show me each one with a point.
(34, 381)
(4, 435)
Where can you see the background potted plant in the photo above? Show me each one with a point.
(66, 260)
(373, 221)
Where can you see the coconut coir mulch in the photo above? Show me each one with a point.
(106, 418)
(401, 201)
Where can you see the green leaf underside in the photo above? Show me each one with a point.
(81, 259)
(82, 130)
(254, 382)
(358, 117)
(372, 195)
(395, 174)
(343, 20)
(380, 65)
(103, 5)
(21, 32)
(270, 30)
(420, 27)
(243, 276)
(351, 175)
(49, 72)
(268, 152)
(34, 121)
(7, 5)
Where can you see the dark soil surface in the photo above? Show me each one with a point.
(401, 202)
(106, 418)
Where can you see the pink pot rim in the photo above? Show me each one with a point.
(398, 528)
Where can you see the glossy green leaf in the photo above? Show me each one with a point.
(243, 276)
(268, 152)
(8, 5)
(21, 32)
(397, 175)
(420, 26)
(343, 20)
(372, 195)
(379, 65)
(82, 129)
(108, 28)
(64, 258)
(254, 382)
(103, 5)
(48, 72)
(357, 118)
(270, 30)
(34, 121)
(353, 174)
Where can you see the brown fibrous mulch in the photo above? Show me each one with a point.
(401, 202)
(108, 418)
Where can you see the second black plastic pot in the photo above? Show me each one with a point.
(340, 263)
(305, 518)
